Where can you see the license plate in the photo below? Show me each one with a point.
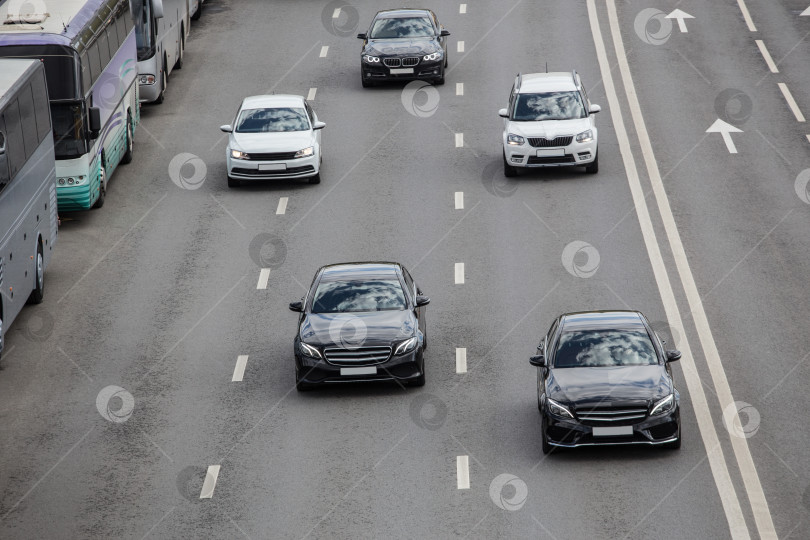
(370, 370)
(612, 431)
(544, 152)
(401, 71)
(272, 167)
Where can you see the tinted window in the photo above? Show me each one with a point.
(14, 138)
(3, 156)
(402, 28)
(121, 27)
(353, 296)
(41, 107)
(95, 63)
(549, 106)
(604, 348)
(103, 50)
(272, 120)
(28, 120)
(409, 283)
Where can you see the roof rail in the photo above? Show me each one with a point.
(518, 82)
(575, 76)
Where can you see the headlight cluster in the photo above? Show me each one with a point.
(237, 154)
(663, 406)
(406, 346)
(585, 136)
(146, 79)
(515, 140)
(371, 59)
(70, 180)
(306, 152)
(558, 410)
(432, 56)
(310, 351)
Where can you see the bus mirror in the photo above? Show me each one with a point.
(94, 117)
(157, 9)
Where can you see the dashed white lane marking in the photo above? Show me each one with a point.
(463, 472)
(282, 206)
(766, 55)
(791, 102)
(336, 13)
(459, 200)
(462, 8)
(460, 89)
(808, 136)
(210, 482)
(460, 46)
(459, 140)
(746, 16)
(239, 369)
(324, 51)
(264, 277)
(459, 273)
(311, 94)
(461, 360)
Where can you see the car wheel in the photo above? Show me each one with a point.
(593, 167)
(233, 182)
(39, 278)
(440, 80)
(301, 386)
(419, 381)
(546, 445)
(676, 444)
(508, 170)
(315, 179)
(366, 84)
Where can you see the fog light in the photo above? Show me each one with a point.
(517, 159)
(584, 155)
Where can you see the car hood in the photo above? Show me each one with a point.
(605, 385)
(401, 46)
(352, 330)
(272, 142)
(550, 128)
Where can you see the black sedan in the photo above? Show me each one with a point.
(360, 321)
(604, 378)
(404, 44)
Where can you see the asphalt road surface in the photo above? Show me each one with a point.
(119, 415)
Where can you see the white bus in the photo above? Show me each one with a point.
(161, 28)
(28, 220)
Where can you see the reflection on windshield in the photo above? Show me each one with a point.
(549, 106)
(68, 130)
(401, 28)
(272, 120)
(346, 296)
(604, 349)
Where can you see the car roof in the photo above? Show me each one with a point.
(401, 12)
(274, 100)
(602, 320)
(546, 82)
(355, 270)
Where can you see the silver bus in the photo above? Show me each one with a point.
(28, 220)
(161, 30)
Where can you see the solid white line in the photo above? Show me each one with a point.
(746, 15)
(461, 360)
(264, 277)
(717, 462)
(766, 55)
(324, 50)
(742, 453)
(282, 206)
(459, 200)
(460, 89)
(459, 140)
(210, 483)
(463, 472)
(460, 46)
(459, 273)
(239, 369)
(462, 8)
(311, 94)
(336, 13)
(791, 102)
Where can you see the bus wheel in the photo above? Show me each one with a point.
(127, 157)
(102, 190)
(179, 63)
(39, 279)
(162, 94)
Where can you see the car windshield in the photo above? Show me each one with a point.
(548, 106)
(401, 27)
(604, 348)
(367, 295)
(272, 120)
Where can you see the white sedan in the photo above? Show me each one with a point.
(274, 137)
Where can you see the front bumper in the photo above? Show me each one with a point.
(656, 430)
(572, 155)
(423, 71)
(244, 169)
(148, 93)
(81, 197)
(404, 368)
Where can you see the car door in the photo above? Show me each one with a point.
(312, 119)
(413, 292)
(545, 348)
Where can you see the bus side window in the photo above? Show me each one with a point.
(3, 156)
(15, 151)
(28, 121)
(42, 107)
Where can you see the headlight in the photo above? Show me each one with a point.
(309, 350)
(515, 140)
(663, 406)
(585, 136)
(432, 56)
(371, 59)
(558, 410)
(406, 346)
(306, 152)
(146, 79)
(236, 154)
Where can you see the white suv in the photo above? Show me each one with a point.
(549, 123)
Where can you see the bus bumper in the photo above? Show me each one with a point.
(148, 93)
(69, 198)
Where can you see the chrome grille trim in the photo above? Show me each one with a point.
(542, 142)
(361, 356)
(613, 415)
(410, 61)
(392, 62)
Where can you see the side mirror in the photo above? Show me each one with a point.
(319, 125)
(361, 36)
(157, 9)
(673, 356)
(298, 307)
(444, 33)
(422, 300)
(227, 128)
(503, 113)
(595, 109)
(94, 121)
(538, 360)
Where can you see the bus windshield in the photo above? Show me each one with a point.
(144, 36)
(68, 130)
(60, 66)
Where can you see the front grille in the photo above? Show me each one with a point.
(288, 172)
(542, 142)
(410, 61)
(537, 160)
(392, 62)
(272, 156)
(612, 416)
(361, 356)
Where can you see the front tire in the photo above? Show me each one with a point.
(102, 190)
(162, 94)
(676, 444)
(365, 83)
(508, 170)
(38, 293)
(300, 385)
(546, 446)
(127, 157)
(197, 14)
(315, 179)
(233, 182)
(593, 167)
(179, 63)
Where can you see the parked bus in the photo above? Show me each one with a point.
(161, 27)
(28, 220)
(88, 47)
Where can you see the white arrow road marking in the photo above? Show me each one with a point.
(725, 129)
(463, 472)
(805, 13)
(680, 16)
(210, 482)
